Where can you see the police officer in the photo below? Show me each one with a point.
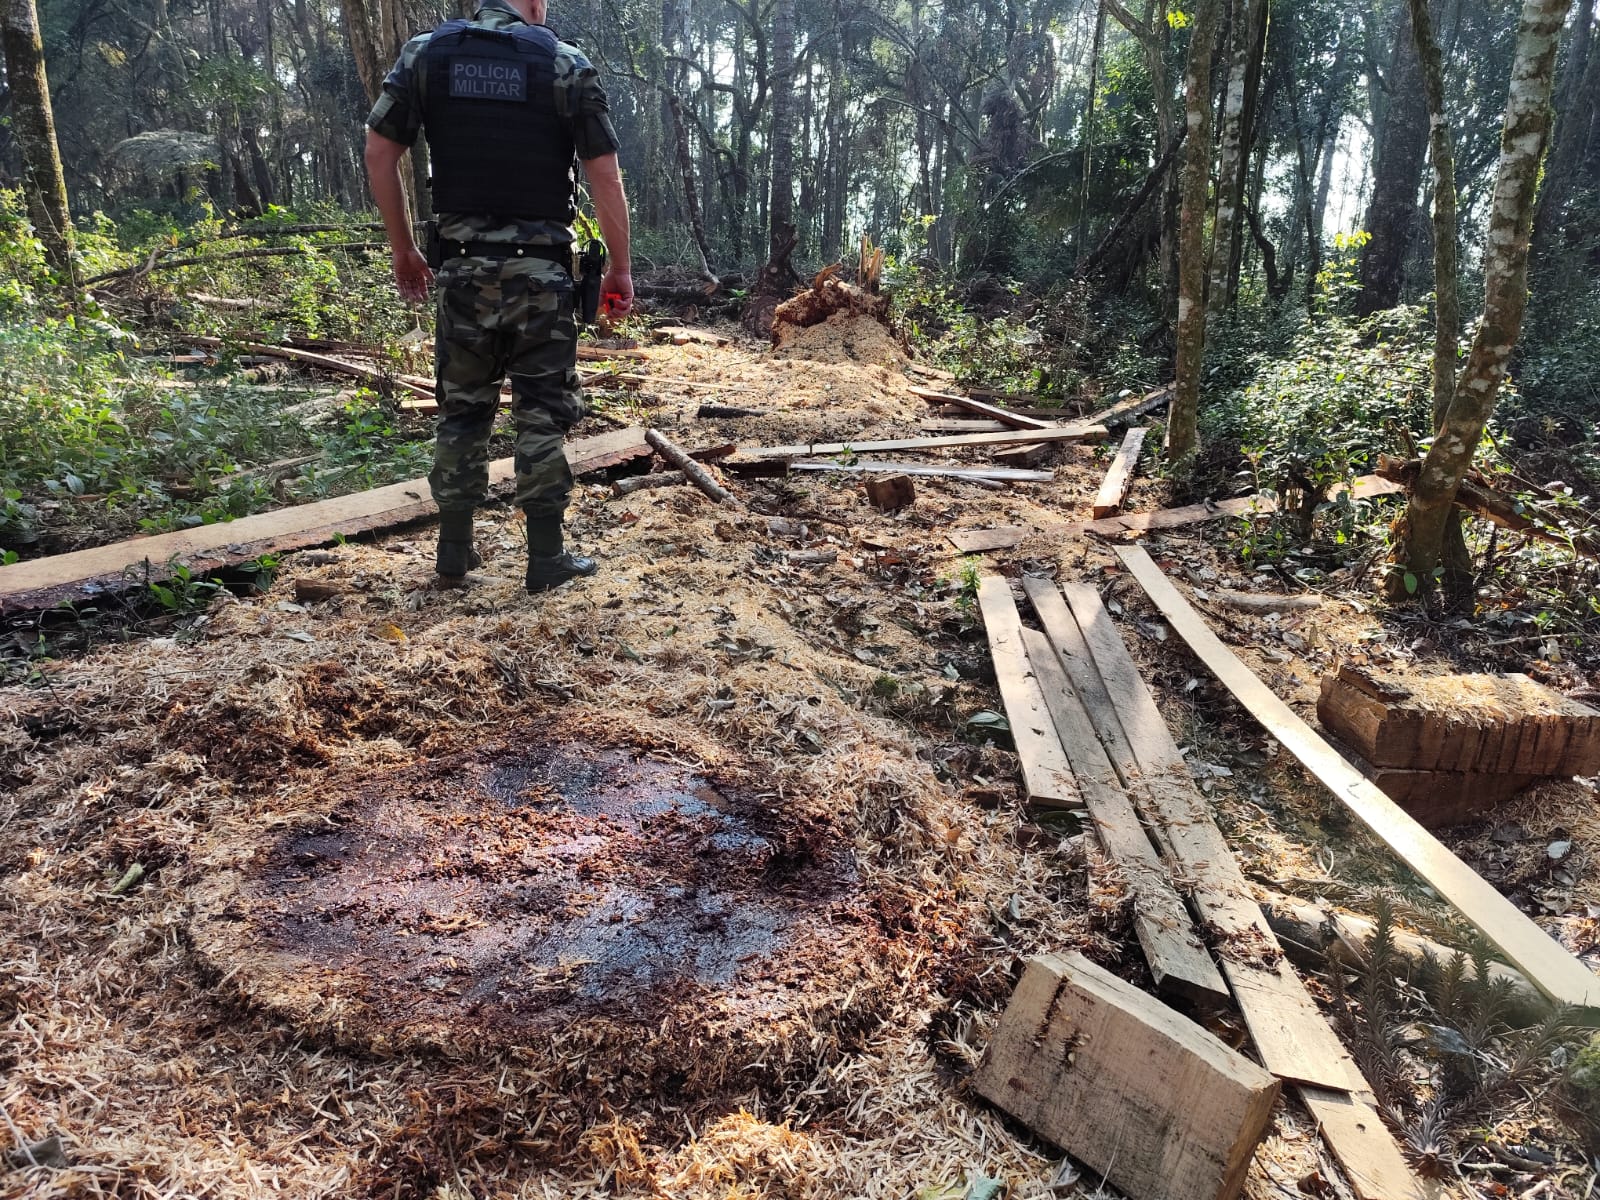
(508, 109)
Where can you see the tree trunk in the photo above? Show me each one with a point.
(33, 123)
(1580, 94)
(780, 196)
(1082, 238)
(1419, 536)
(691, 194)
(1398, 150)
(1233, 161)
(1183, 419)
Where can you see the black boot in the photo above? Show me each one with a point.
(548, 564)
(456, 555)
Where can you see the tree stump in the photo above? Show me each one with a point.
(891, 492)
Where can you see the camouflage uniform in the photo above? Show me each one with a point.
(499, 317)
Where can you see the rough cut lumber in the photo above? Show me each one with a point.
(1178, 959)
(974, 474)
(1289, 1033)
(1547, 965)
(693, 471)
(945, 425)
(1497, 724)
(1023, 456)
(1439, 799)
(1004, 415)
(1124, 411)
(1062, 433)
(84, 574)
(1150, 1100)
(980, 541)
(1120, 477)
(1046, 774)
(891, 492)
(1364, 1147)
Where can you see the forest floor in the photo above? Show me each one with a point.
(394, 930)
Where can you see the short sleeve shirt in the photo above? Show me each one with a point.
(580, 97)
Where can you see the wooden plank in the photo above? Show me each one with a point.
(1285, 1024)
(1018, 437)
(1023, 456)
(1547, 965)
(1178, 958)
(999, 474)
(1114, 489)
(1124, 411)
(1363, 1146)
(945, 425)
(980, 541)
(84, 574)
(1150, 1100)
(1004, 415)
(1045, 771)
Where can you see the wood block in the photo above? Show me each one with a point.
(1125, 1085)
(1440, 798)
(1479, 724)
(891, 492)
(1023, 456)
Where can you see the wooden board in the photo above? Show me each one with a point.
(1023, 456)
(1477, 723)
(998, 474)
(1114, 490)
(1547, 965)
(1004, 415)
(1045, 771)
(1125, 1085)
(1132, 408)
(1285, 1024)
(85, 574)
(1363, 1146)
(1018, 437)
(981, 541)
(1178, 958)
(945, 425)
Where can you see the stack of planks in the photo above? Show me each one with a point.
(1089, 735)
(1450, 748)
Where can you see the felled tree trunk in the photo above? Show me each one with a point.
(1183, 420)
(34, 125)
(1419, 535)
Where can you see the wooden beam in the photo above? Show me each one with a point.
(1150, 1100)
(1046, 773)
(86, 574)
(997, 474)
(1285, 1024)
(1555, 972)
(1124, 411)
(1178, 958)
(1019, 437)
(1114, 489)
(1023, 456)
(946, 425)
(995, 413)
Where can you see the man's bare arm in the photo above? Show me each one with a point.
(411, 274)
(611, 207)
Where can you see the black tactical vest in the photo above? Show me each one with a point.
(497, 143)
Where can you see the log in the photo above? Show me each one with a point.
(1263, 602)
(1125, 411)
(90, 574)
(891, 492)
(1480, 724)
(1153, 1102)
(1179, 961)
(639, 483)
(695, 473)
(337, 365)
(1554, 971)
(1046, 773)
(1020, 437)
(1114, 489)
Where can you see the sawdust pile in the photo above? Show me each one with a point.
(166, 1067)
(833, 321)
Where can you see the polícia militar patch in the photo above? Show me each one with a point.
(488, 79)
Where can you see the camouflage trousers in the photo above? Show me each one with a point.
(498, 318)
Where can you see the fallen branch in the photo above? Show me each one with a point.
(639, 483)
(1477, 497)
(337, 365)
(693, 471)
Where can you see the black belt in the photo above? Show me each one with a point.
(557, 254)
